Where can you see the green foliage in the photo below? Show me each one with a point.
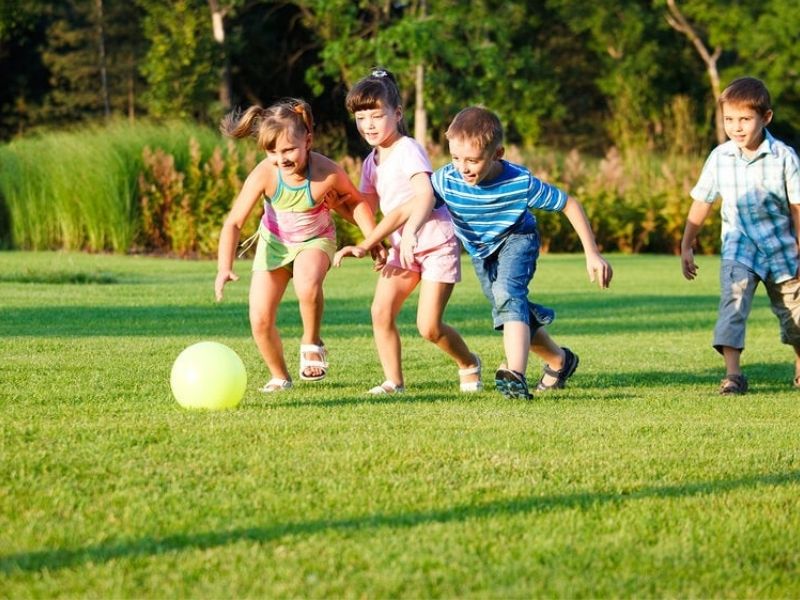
(78, 190)
(637, 480)
(182, 211)
(180, 66)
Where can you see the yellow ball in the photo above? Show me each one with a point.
(208, 375)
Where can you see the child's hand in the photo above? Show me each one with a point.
(355, 251)
(688, 265)
(379, 256)
(599, 270)
(223, 277)
(408, 243)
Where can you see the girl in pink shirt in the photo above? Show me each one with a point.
(396, 174)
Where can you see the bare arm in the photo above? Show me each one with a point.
(598, 268)
(421, 203)
(795, 209)
(251, 192)
(698, 213)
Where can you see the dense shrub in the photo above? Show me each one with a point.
(167, 189)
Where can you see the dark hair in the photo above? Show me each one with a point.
(749, 92)
(266, 124)
(379, 88)
(479, 125)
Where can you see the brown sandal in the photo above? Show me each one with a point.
(733, 385)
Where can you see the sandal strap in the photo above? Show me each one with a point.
(387, 387)
(476, 370)
(276, 384)
(551, 371)
(308, 362)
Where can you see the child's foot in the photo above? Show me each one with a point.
(553, 379)
(276, 385)
(796, 381)
(733, 384)
(313, 362)
(511, 384)
(470, 377)
(387, 387)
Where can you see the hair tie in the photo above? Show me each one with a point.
(379, 73)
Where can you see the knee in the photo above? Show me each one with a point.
(261, 322)
(308, 292)
(429, 329)
(381, 315)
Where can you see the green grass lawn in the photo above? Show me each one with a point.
(636, 481)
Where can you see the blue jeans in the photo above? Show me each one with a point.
(504, 278)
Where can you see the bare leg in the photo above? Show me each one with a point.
(433, 299)
(394, 286)
(551, 353)
(796, 365)
(516, 343)
(266, 290)
(732, 360)
(310, 268)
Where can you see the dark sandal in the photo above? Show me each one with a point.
(571, 361)
(733, 385)
(511, 384)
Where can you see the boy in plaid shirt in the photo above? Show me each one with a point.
(758, 179)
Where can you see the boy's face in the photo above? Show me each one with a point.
(475, 164)
(744, 125)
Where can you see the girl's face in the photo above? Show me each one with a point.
(290, 152)
(379, 125)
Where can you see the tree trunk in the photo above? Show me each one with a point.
(420, 116)
(678, 22)
(218, 27)
(101, 46)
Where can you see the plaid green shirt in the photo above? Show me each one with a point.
(757, 227)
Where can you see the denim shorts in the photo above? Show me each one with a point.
(738, 285)
(504, 278)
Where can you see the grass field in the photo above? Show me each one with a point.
(636, 481)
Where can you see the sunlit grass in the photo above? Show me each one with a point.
(637, 480)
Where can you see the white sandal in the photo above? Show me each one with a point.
(386, 388)
(471, 386)
(306, 363)
(276, 385)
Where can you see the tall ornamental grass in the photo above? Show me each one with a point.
(77, 190)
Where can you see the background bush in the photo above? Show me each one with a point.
(167, 188)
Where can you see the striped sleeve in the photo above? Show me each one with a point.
(544, 196)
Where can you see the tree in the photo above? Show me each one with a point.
(180, 64)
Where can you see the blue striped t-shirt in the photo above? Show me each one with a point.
(484, 214)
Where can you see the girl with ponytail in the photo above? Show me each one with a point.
(296, 238)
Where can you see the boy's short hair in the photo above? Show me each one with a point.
(479, 125)
(747, 91)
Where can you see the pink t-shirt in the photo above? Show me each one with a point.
(391, 180)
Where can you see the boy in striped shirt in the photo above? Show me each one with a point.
(490, 200)
(758, 179)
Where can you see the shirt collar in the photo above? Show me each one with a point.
(767, 146)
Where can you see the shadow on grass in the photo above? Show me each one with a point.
(609, 314)
(149, 546)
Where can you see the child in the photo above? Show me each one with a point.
(489, 200)
(396, 173)
(758, 178)
(296, 236)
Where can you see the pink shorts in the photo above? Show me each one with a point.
(441, 264)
